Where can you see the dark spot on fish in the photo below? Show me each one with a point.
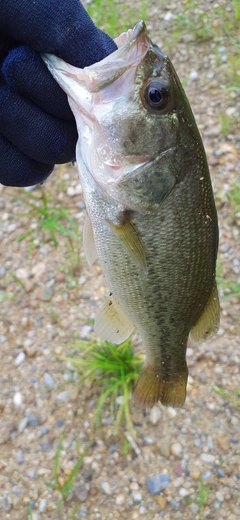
(110, 294)
(117, 331)
(110, 303)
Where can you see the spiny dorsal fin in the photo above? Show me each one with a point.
(88, 242)
(129, 236)
(208, 323)
(111, 322)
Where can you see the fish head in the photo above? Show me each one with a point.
(129, 109)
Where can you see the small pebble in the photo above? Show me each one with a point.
(64, 396)
(183, 492)
(155, 415)
(106, 488)
(119, 500)
(42, 505)
(171, 412)
(207, 457)
(134, 486)
(22, 424)
(161, 502)
(46, 446)
(7, 506)
(81, 492)
(44, 430)
(48, 380)
(206, 475)
(158, 483)
(33, 420)
(137, 496)
(84, 334)
(31, 473)
(17, 399)
(176, 449)
(20, 358)
(193, 75)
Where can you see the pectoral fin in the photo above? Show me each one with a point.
(88, 242)
(208, 323)
(112, 324)
(129, 236)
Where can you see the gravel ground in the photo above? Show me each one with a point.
(48, 294)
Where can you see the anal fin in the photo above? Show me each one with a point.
(129, 236)
(112, 324)
(208, 323)
(88, 242)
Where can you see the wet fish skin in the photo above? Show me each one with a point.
(149, 198)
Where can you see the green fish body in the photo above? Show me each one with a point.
(152, 219)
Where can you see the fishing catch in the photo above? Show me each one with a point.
(151, 218)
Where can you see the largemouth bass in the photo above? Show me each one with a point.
(151, 221)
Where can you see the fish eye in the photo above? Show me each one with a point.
(156, 96)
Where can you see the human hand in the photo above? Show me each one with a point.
(37, 128)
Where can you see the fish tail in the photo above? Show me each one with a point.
(153, 386)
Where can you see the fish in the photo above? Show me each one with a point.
(151, 216)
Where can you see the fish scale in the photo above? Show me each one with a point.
(151, 220)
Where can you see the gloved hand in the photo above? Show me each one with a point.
(37, 128)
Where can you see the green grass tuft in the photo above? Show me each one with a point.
(65, 488)
(114, 369)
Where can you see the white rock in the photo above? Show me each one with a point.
(193, 75)
(134, 486)
(168, 16)
(20, 358)
(22, 424)
(119, 500)
(220, 496)
(64, 396)
(38, 269)
(22, 273)
(155, 414)
(171, 412)
(17, 399)
(176, 449)
(183, 492)
(42, 505)
(137, 496)
(106, 488)
(207, 457)
(71, 192)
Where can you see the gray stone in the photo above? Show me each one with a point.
(64, 396)
(158, 483)
(20, 358)
(137, 497)
(207, 457)
(48, 380)
(33, 420)
(81, 492)
(7, 506)
(42, 505)
(106, 488)
(22, 424)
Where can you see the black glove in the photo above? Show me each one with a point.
(37, 128)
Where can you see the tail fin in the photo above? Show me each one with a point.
(153, 386)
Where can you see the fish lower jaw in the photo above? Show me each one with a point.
(153, 386)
